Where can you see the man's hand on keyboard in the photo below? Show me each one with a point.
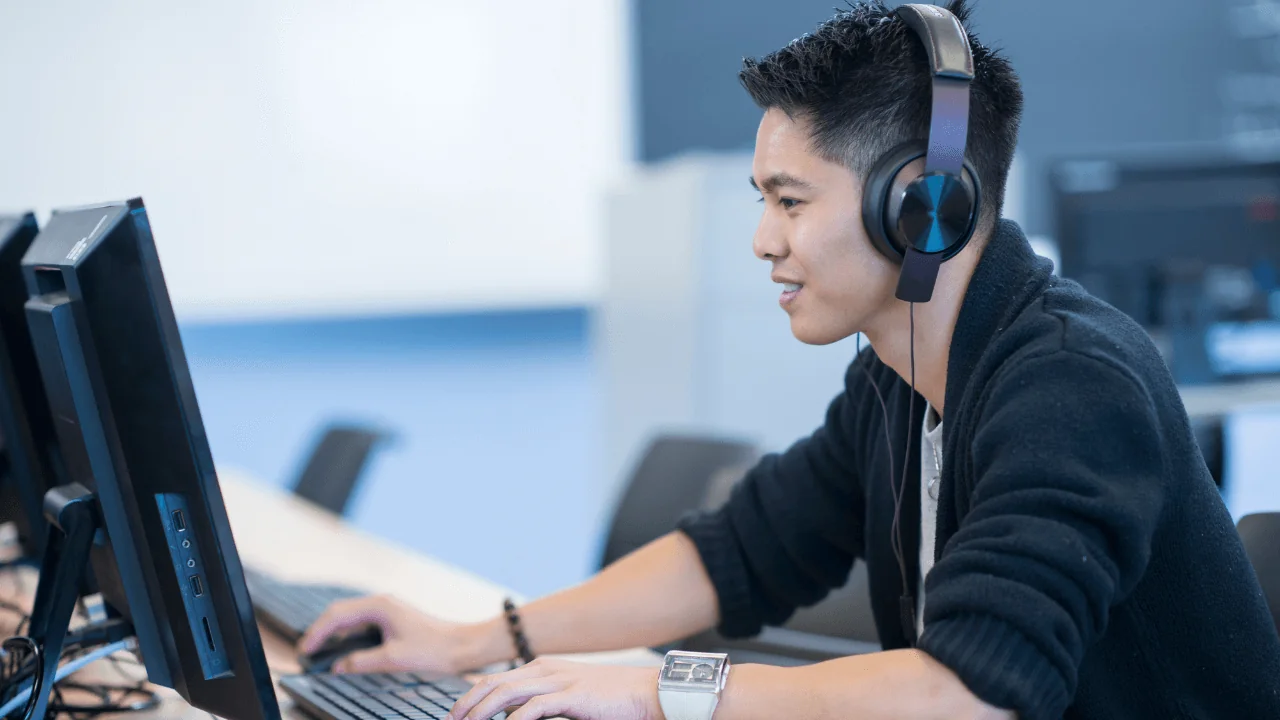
(550, 688)
(411, 640)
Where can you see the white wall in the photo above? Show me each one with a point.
(325, 156)
(689, 335)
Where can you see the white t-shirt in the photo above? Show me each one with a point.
(930, 480)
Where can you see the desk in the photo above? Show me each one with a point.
(294, 540)
(1218, 399)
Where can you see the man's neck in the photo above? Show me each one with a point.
(890, 331)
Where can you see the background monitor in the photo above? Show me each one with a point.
(30, 462)
(125, 411)
(1190, 248)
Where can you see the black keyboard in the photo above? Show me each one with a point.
(394, 696)
(290, 608)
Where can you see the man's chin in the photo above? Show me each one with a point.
(811, 334)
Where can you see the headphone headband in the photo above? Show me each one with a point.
(951, 61)
(944, 39)
(921, 219)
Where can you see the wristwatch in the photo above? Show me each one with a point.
(690, 683)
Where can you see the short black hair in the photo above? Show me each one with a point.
(862, 80)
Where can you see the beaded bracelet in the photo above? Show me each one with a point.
(517, 633)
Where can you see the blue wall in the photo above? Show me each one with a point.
(496, 415)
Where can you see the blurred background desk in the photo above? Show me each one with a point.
(1217, 401)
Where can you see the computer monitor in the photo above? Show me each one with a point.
(1187, 246)
(30, 463)
(139, 463)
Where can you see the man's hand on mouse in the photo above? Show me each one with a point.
(411, 640)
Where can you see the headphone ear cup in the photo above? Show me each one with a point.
(881, 206)
(884, 193)
(936, 214)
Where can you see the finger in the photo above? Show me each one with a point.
(339, 617)
(489, 683)
(373, 660)
(544, 706)
(510, 694)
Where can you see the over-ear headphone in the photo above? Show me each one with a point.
(922, 220)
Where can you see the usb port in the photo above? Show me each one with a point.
(179, 522)
(197, 585)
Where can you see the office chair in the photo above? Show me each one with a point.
(839, 626)
(1261, 535)
(677, 474)
(336, 463)
(672, 478)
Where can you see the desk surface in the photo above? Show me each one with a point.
(1220, 399)
(280, 534)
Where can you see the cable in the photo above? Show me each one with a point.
(13, 607)
(898, 492)
(71, 667)
(16, 670)
(37, 658)
(150, 701)
(898, 489)
(884, 409)
(112, 698)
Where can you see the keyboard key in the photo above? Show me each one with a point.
(384, 682)
(397, 696)
(365, 683)
(431, 693)
(452, 686)
(406, 679)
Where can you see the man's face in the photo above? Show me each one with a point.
(812, 233)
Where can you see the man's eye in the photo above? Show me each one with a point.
(786, 203)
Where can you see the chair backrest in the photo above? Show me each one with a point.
(338, 460)
(1261, 535)
(672, 478)
(677, 474)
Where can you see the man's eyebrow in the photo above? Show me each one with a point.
(779, 180)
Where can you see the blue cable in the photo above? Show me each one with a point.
(71, 667)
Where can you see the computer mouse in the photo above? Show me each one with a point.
(333, 649)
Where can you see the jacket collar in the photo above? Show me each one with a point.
(1008, 277)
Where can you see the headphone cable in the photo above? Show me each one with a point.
(905, 606)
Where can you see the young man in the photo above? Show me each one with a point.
(1052, 544)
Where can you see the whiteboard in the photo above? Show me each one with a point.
(329, 157)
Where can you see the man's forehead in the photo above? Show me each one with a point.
(781, 132)
(784, 149)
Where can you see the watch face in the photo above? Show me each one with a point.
(692, 672)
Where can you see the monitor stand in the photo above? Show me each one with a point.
(75, 518)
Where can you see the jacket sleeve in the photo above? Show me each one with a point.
(792, 528)
(1067, 492)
